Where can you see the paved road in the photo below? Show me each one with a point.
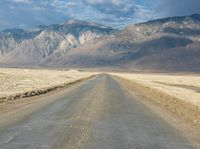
(98, 113)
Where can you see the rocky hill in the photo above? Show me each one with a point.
(31, 47)
(169, 44)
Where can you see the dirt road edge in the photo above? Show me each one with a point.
(8, 99)
(183, 110)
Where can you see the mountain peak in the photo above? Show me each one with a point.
(79, 22)
(74, 21)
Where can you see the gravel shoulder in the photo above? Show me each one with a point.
(184, 87)
(180, 115)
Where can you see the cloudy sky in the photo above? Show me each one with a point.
(115, 13)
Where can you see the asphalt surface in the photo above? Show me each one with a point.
(97, 114)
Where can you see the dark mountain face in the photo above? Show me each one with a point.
(169, 44)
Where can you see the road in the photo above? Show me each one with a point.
(99, 113)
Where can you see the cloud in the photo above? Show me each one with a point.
(115, 13)
(116, 8)
(121, 12)
(96, 2)
(177, 7)
(20, 1)
(18, 14)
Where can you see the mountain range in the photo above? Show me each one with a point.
(169, 44)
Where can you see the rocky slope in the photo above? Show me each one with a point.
(170, 44)
(31, 47)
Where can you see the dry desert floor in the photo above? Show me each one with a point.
(176, 94)
(18, 81)
(183, 87)
(109, 110)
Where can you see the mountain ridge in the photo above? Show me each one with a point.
(169, 44)
(46, 40)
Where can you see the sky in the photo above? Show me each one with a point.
(114, 13)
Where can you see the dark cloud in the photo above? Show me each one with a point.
(178, 7)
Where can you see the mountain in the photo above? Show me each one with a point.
(31, 47)
(169, 44)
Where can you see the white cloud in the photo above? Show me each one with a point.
(20, 1)
(95, 2)
(116, 13)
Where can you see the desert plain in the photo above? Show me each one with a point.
(81, 109)
(185, 87)
(19, 81)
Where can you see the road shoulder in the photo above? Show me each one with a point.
(18, 109)
(153, 100)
